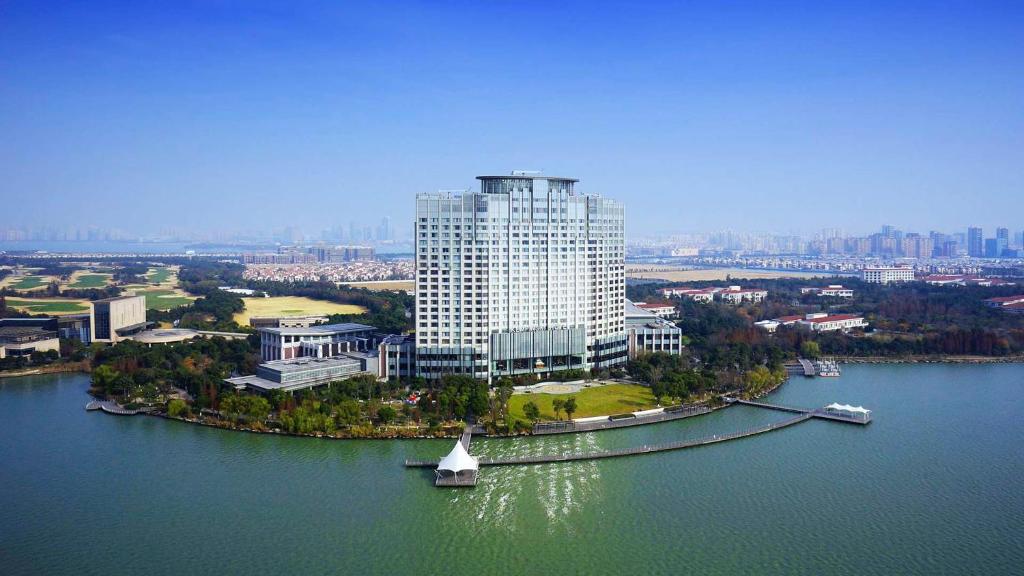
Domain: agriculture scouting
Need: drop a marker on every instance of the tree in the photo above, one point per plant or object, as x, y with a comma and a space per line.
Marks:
810, 349
531, 410
557, 404
386, 414
177, 408
570, 407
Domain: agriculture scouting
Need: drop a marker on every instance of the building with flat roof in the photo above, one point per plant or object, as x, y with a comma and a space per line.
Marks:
318, 341
23, 336
301, 373
888, 274
832, 290
525, 276
738, 295
648, 332
822, 322
114, 319
286, 321
661, 310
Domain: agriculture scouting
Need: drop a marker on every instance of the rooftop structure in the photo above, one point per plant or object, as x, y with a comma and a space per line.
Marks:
300, 373
285, 343
23, 336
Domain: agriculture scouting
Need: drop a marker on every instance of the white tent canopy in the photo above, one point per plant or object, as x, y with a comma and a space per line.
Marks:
847, 408
458, 460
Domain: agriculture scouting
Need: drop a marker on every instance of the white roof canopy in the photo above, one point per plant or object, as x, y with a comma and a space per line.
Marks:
457, 460
848, 408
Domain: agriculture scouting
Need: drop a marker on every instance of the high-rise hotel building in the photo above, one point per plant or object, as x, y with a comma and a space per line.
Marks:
525, 276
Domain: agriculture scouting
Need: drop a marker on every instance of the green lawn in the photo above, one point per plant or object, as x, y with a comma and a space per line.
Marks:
91, 281
159, 275
29, 282
599, 401
44, 307
163, 299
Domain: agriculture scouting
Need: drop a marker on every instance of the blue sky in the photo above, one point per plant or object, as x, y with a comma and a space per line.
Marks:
782, 116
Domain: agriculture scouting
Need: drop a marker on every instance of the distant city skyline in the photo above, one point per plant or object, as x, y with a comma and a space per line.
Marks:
227, 116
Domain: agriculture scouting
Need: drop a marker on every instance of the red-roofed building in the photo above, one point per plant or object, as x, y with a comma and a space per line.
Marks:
1004, 301
660, 310
737, 295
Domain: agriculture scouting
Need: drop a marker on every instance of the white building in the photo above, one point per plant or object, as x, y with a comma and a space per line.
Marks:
660, 310
833, 290
648, 332
887, 274
525, 276
822, 322
703, 295
737, 295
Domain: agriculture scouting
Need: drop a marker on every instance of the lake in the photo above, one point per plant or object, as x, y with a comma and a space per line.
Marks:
932, 486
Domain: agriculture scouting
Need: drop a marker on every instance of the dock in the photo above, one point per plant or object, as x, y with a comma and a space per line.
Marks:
110, 408
823, 413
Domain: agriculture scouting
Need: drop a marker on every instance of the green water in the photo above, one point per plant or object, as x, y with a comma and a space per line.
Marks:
933, 486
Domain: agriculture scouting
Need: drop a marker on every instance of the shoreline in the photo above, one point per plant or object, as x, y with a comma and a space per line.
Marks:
943, 359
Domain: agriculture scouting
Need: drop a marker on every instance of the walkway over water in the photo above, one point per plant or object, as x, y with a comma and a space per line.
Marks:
808, 367
822, 413
646, 449
800, 415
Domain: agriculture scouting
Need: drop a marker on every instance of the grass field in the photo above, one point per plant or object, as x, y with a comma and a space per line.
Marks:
292, 306
599, 401
675, 274
48, 306
397, 285
29, 282
164, 299
89, 281
159, 275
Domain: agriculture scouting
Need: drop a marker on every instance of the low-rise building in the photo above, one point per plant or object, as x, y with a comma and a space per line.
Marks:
648, 332
318, 341
24, 336
832, 290
964, 280
887, 274
696, 294
738, 295
114, 319
301, 373
660, 310
286, 321
1004, 301
822, 322
769, 326
396, 357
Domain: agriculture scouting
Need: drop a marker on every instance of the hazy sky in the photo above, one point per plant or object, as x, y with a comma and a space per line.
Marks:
699, 116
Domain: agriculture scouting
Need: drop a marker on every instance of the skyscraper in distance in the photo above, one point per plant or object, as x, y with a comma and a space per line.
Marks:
525, 276
975, 244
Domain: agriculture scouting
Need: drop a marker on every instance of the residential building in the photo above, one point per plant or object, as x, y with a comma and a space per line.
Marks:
315, 341
738, 295
648, 332
525, 276
698, 295
888, 274
975, 247
114, 319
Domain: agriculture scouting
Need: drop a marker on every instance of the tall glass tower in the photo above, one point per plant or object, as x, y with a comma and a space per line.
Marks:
523, 277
